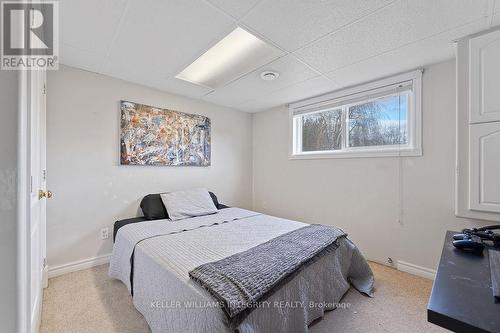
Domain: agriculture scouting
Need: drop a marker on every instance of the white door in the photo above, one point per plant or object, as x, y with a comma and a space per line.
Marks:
38, 194
485, 167
485, 77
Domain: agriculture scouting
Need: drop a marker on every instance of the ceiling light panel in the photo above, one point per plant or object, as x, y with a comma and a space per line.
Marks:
235, 55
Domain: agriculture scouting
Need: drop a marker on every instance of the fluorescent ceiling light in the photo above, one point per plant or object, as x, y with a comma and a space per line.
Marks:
235, 55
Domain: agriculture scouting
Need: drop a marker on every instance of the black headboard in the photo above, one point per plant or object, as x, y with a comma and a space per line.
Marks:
153, 204
153, 208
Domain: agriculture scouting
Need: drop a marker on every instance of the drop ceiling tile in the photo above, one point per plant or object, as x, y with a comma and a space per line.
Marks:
90, 24
160, 38
399, 24
409, 57
251, 86
312, 87
419, 54
157, 39
182, 88
74, 57
235, 8
149, 78
294, 23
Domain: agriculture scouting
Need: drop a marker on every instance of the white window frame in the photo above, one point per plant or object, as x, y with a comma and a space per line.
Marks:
356, 95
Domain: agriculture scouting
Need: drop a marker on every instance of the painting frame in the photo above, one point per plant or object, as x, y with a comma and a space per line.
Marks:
155, 136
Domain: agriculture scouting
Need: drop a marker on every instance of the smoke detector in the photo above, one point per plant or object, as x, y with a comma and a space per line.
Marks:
269, 75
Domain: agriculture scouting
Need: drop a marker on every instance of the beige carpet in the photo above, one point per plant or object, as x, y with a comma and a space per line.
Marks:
89, 301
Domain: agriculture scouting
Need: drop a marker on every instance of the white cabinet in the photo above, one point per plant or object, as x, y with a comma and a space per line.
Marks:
478, 126
484, 87
484, 158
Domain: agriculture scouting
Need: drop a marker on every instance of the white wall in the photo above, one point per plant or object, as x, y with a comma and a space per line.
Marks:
361, 195
91, 190
8, 190
390, 207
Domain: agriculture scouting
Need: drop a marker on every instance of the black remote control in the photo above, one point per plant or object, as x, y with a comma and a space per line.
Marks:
468, 243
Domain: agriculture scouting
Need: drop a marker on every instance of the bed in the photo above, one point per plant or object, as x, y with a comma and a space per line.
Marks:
153, 259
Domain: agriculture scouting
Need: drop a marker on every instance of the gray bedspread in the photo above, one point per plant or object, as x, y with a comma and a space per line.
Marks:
164, 252
241, 280
121, 264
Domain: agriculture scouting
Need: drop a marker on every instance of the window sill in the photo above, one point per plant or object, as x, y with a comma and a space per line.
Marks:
356, 154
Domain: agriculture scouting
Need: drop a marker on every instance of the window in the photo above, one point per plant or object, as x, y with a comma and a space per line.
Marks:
381, 118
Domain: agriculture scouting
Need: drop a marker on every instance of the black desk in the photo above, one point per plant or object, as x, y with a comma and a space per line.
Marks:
462, 299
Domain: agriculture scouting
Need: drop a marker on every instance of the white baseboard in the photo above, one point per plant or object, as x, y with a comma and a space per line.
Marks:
78, 265
416, 270
104, 259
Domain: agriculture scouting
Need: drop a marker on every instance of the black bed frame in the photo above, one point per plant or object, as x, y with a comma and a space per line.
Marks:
120, 223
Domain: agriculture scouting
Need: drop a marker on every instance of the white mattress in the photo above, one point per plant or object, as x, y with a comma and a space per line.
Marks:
171, 302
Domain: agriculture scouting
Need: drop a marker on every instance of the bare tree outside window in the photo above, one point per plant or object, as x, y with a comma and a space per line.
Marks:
379, 123
379, 118
322, 131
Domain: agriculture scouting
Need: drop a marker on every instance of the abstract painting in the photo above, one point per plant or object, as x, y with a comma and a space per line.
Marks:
155, 136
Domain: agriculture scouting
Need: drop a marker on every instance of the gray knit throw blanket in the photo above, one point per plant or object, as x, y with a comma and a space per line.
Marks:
240, 281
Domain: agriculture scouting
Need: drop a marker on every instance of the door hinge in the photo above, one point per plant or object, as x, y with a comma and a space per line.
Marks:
31, 184
44, 89
44, 263
44, 174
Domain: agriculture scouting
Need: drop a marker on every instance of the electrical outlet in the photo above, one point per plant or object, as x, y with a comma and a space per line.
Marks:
390, 261
104, 233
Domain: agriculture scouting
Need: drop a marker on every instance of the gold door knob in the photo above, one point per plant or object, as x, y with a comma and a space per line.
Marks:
44, 194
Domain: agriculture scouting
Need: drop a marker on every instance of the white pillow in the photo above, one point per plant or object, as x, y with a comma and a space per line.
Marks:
188, 203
